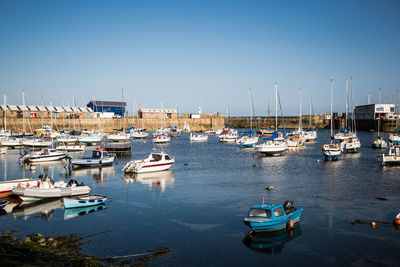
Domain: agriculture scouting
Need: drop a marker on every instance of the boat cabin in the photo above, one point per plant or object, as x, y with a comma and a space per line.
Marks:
268, 211
99, 154
394, 150
158, 156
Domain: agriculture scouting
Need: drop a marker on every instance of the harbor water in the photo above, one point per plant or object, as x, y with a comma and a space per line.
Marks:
197, 208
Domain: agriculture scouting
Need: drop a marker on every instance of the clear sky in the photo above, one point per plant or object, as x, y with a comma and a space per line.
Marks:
206, 53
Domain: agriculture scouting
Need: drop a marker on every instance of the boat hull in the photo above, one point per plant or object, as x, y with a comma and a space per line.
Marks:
86, 201
30, 194
92, 162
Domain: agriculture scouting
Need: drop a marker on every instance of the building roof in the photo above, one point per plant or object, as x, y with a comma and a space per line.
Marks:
107, 103
159, 110
44, 108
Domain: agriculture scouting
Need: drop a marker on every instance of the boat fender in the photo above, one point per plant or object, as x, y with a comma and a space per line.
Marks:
290, 224
373, 224
27, 184
100, 162
38, 183
19, 185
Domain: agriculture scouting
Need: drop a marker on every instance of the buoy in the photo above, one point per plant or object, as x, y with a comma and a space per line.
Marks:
291, 224
27, 184
373, 224
158, 182
269, 188
397, 221
32, 167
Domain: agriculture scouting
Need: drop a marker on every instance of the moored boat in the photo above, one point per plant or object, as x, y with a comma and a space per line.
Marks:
271, 217
156, 161
83, 201
46, 154
50, 189
7, 186
99, 158
392, 157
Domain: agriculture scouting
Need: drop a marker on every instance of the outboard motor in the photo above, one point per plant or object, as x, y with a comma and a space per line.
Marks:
288, 207
72, 182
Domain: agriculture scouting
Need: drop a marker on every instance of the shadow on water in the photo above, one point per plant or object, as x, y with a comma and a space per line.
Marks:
270, 243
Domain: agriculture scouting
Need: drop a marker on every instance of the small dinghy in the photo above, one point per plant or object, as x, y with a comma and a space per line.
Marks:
157, 161
50, 189
270, 217
83, 201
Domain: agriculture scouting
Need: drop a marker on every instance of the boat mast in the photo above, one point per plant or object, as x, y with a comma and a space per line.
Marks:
353, 119
331, 110
300, 122
251, 117
379, 113
397, 109
5, 112
23, 112
310, 110
347, 105
276, 106
51, 112
73, 107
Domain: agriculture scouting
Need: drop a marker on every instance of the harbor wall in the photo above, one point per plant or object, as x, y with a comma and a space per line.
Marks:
15, 123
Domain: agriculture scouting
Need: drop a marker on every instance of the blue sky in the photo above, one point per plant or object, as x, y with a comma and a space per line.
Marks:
193, 53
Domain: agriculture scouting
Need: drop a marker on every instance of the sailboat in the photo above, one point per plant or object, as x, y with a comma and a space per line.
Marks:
199, 137
379, 142
275, 145
331, 151
249, 140
351, 144
295, 138
310, 135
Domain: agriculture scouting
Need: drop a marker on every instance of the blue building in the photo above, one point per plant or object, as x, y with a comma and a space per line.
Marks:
118, 108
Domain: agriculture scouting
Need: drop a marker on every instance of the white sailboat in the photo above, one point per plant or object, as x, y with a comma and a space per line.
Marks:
331, 151
351, 144
310, 135
379, 142
275, 145
249, 140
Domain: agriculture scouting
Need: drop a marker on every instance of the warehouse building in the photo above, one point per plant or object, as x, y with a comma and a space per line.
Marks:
373, 111
152, 113
108, 108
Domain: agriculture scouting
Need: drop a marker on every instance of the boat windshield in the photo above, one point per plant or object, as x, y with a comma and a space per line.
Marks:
96, 154
278, 212
260, 213
156, 157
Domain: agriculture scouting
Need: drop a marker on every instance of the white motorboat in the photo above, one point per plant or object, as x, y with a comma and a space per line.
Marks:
37, 143
157, 161
49, 189
161, 139
12, 142
198, 137
90, 138
229, 136
118, 137
392, 157
294, 141
7, 186
350, 145
99, 158
46, 154
331, 151
139, 133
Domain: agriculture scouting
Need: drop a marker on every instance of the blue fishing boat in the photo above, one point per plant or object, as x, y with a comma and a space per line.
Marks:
83, 201
269, 217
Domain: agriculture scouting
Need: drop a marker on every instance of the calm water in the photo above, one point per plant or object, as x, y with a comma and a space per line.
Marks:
198, 207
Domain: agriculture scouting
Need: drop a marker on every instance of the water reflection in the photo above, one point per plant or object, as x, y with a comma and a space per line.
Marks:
75, 212
13, 201
44, 208
157, 181
270, 243
99, 175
